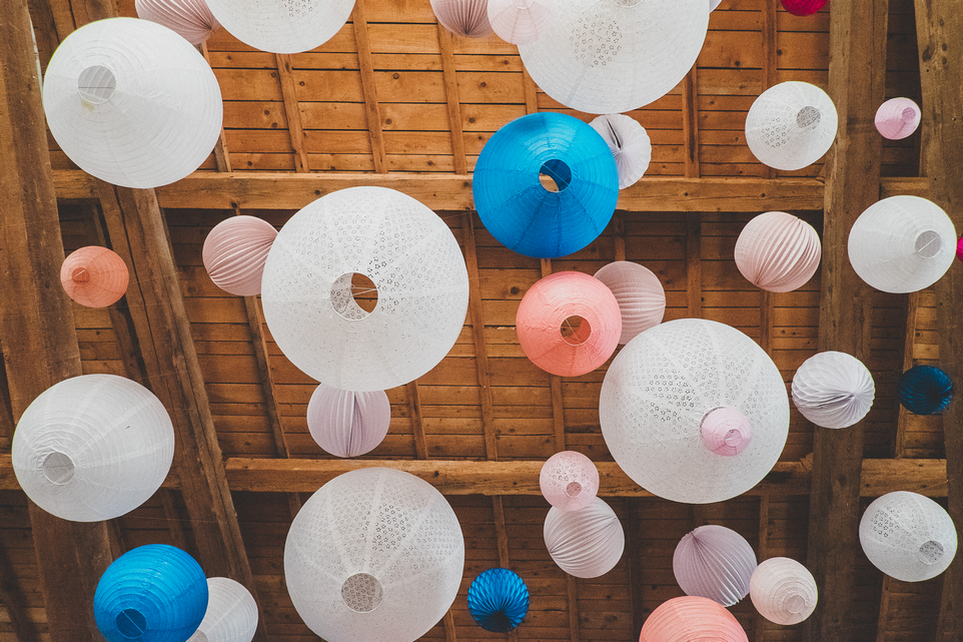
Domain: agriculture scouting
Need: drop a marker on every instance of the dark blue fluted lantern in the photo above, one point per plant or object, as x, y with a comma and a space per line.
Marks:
525, 216
154, 593
925, 390
498, 600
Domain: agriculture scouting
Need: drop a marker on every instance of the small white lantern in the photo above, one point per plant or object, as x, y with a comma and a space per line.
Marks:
791, 125
630, 145
833, 389
231, 613
778, 252
587, 542
346, 423
783, 591
639, 293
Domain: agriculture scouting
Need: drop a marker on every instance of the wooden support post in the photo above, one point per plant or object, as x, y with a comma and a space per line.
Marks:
902, 414
369, 87
292, 110
417, 422
454, 102
531, 92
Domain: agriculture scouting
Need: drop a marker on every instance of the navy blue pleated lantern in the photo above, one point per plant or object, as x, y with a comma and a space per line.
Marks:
154, 593
925, 390
498, 600
529, 218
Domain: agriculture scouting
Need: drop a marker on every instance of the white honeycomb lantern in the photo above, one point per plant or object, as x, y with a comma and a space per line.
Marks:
346, 423
714, 562
282, 26
569, 480
630, 145
587, 542
791, 125
639, 293
778, 252
231, 614
833, 389
783, 591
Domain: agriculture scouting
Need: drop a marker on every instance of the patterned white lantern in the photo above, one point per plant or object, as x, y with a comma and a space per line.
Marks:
630, 145
778, 252
791, 125
714, 562
783, 591
348, 424
569, 480
520, 21
189, 18
640, 295
833, 389
231, 613
587, 542
282, 26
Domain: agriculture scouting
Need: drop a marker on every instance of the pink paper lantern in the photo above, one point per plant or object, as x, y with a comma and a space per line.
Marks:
191, 19
778, 252
235, 251
94, 276
783, 591
346, 423
585, 543
463, 17
547, 310
726, 431
640, 295
803, 7
569, 480
897, 118
686, 619
959, 249
714, 562
519, 21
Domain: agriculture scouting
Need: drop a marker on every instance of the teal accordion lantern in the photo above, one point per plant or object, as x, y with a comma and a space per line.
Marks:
925, 390
498, 600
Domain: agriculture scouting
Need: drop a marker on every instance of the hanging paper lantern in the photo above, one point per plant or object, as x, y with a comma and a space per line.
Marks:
791, 125
803, 7
525, 216
569, 480
640, 295
629, 143
235, 251
959, 249
463, 17
154, 593
897, 118
778, 252
585, 543
93, 447
189, 18
94, 276
410, 256
833, 389
902, 244
687, 619
714, 4
604, 57
519, 21
348, 424
725, 431
659, 402
498, 600
783, 591
231, 613
280, 26
132, 103
925, 390
714, 562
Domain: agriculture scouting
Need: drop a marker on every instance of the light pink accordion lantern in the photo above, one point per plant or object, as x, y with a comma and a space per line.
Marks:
714, 562
686, 619
585, 543
463, 17
833, 389
519, 21
189, 18
94, 276
897, 118
639, 293
630, 144
235, 251
778, 252
569, 480
783, 591
346, 423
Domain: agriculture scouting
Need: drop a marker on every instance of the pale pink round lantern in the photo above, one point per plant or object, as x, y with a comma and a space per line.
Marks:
235, 252
897, 118
463, 17
783, 591
959, 249
346, 423
726, 431
585, 543
94, 276
191, 19
519, 21
568, 323
687, 619
714, 562
778, 252
569, 480
639, 293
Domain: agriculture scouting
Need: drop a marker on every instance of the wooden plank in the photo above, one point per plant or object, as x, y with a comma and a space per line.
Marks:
690, 123
417, 423
453, 100
255, 320
371, 104
292, 110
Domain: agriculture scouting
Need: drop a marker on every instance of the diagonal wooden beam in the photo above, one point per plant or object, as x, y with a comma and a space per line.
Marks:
762, 553
372, 108
501, 539
453, 100
292, 110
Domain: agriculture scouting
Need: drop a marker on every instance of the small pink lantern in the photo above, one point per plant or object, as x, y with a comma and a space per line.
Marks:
568, 323
803, 7
778, 252
94, 276
191, 19
714, 562
897, 118
685, 619
569, 480
346, 423
783, 591
519, 21
463, 17
235, 251
726, 431
640, 295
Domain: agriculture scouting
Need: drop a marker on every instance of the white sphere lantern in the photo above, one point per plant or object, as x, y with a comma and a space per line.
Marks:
714, 562
281, 26
783, 591
587, 542
639, 293
833, 389
791, 125
630, 145
231, 614
778, 252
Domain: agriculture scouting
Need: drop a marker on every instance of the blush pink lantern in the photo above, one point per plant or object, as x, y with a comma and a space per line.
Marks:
726, 431
467, 18
714, 562
235, 251
191, 19
897, 118
569, 480
94, 276
686, 619
778, 252
639, 293
346, 423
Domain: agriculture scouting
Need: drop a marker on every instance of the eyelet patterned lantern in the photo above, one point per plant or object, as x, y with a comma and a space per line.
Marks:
282, 26
667, 393
925, 390
410, 256
803, 7
791, 125
348, 424
498, 600
94, 276
833, 389
714, 562
520, 21
191, 19
587, 542
132, 103
897, 118
153, 593
630, 145
569, 480
374, 554
467, 18
231, 613
93, 447
640, 295
783, 591
235, 251
558, 345
907, 536
686, 619
604, 57
778, 252
519, 211
902, 244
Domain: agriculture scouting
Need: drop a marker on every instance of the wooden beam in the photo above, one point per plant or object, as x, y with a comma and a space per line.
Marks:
762, 553
417, 422
292, 111
255, 321
690, 122
555, 382
531, 92
693, 264
909, 341
453, 100
574, 620
222, 157
368, 86
11, 597
770, 60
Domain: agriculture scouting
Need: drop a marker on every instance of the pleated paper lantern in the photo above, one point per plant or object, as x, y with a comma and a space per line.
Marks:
467, 18
519, 21
604, 57
629, 143
348, 424
132, 103
714, 562
519, 211
640, 295
833, 389
569, 480
907, 536
231, 613
902, 244
374, 554
498, 600
667, 386
803, 7
551, 339
94, 276
791, 125
691, 619
235, 251
897, 118
778, 252
93, 447
585, 543
415, 265
925, 390
154, 593
783, 591
189, 18
282, 26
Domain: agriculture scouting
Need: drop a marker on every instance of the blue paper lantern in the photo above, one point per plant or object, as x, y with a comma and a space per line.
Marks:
154, 593
925, 390
498, 600
525, 216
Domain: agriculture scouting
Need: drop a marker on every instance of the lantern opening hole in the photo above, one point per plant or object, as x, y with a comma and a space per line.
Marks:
80, 275
96, 84
573, 489
58, 468
522, 4
733, 438
796, 604
930, 552
928, 244
131, 623
362, 592
807, 117
909, 115
575, 330
354, 296
555, 175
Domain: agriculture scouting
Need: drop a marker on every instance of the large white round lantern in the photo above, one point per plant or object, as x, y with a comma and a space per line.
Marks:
346, 423
778, 252
374, 554
833, 389
630, 144
783, 591
282, 26
791, 125
93, 447
587, 542
189, 18
413, 264
714, 562
231, 613
639, 293
132, 103
694, 411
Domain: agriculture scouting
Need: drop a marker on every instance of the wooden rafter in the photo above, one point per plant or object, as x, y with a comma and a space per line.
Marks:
555, 382
292, 110
452, 99
690, 122
417, 421
762, 553
693, 264
770, 61
371, 104
222, 157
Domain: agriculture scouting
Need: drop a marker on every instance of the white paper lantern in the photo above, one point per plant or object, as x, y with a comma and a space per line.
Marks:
585, 543
661, 388
714, 562
282, 26
714, 4
630, 145
783, 591
404, 249
374, 554
132, 103
605, 57
569, 480
778, 252
833, 389
231, 613
191, 19
468, 18
902, 244
93, 447
907, 536
348, 424
640, 295
791, 125
520, 21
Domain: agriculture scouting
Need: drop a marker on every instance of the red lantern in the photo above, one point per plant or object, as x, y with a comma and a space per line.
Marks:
803, 7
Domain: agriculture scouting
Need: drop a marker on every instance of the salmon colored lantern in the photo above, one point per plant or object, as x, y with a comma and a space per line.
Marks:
778, 252
94, 276
685, 619
235, 251
569, 480
189, 18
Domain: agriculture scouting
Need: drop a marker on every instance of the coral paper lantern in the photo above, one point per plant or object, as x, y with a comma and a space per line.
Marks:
231, 613
897, 118
569, 480
630, 145
519, 21
235, 251
778, 252
463, 17
833, 389
691, 619
544, 315
94, 276
189, 18
346, 423
803, 7
585, 543
714, 562
640, 295
783, 591
282, 26
498, 600
791, 125
93, 447
925, 390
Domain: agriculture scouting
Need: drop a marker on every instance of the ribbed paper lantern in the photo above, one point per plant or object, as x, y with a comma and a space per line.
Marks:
714, 562
94, 276
803, 7
189, 18
498, 600
348, 424
525, 216
410, 256
791, 125
605, 57
691, 619
640, 295
630, 145
467, 18
585, 543
374, 554
235, 252
231, 613
660, 390
93, 447
833, 389
282, 26
569, 480
925, 390
783, 591
907, 536
897, 118
520, 21
902, 244
132, 103
778, 252
154, 593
